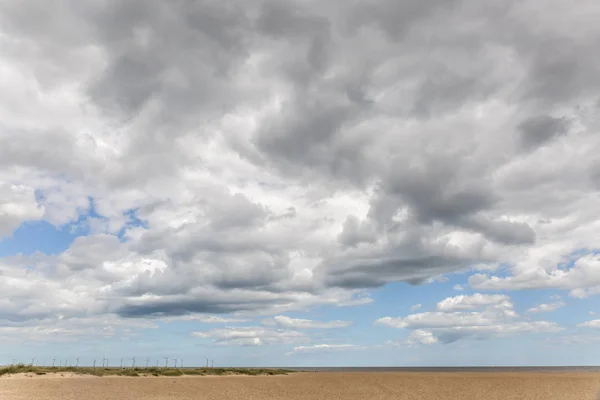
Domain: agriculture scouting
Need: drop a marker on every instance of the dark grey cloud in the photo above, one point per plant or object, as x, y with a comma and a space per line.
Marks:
128, 84
437, 191
181, 307
538, 130
397, 18
180, 56
506, 232
377, 272
354, 233
594, 174
561, 69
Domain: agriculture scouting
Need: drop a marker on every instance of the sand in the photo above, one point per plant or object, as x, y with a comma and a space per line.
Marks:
308, 385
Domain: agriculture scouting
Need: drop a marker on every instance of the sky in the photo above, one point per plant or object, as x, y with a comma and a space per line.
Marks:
300, 182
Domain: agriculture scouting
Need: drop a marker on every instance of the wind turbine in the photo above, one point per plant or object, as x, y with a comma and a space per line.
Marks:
166, 362
206, 362
53, 361
175, 362
147, 362
181, 361
121, 362
77, 362
133, 362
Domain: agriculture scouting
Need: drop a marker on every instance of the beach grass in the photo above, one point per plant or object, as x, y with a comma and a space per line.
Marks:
138, 371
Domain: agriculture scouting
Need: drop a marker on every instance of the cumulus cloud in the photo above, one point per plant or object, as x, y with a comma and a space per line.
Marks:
475, 301
252, 336
260, 157
297, 323
494, 317
421, 336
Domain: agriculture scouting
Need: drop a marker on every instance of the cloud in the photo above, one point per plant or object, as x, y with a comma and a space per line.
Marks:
421, 337
495, 317
475, 301
17, 205
594, 324
64, 329
323, 348
580, 275
261, 157
207, 319
547, 307
252, 336
536, 131
416, 307
297, 323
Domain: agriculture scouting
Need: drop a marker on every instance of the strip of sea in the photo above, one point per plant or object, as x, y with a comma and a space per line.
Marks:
450, 369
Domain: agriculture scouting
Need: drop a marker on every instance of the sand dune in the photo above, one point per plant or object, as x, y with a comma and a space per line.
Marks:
307, 386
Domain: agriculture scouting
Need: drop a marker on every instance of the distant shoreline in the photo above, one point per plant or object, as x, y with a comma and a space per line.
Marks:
450, 369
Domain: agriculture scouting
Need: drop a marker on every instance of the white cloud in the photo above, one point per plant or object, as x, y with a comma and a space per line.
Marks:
17, 205
252, 336
297, 323
458, 287
547, 307
359, 300
66, 330
594, 324
582, 279
497, 318
421, 337
475, 301
416, 307
324, 348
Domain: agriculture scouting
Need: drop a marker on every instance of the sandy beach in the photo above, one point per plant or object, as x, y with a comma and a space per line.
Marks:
309, 385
